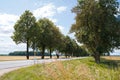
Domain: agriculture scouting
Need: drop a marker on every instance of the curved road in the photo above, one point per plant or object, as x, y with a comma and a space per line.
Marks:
7, 66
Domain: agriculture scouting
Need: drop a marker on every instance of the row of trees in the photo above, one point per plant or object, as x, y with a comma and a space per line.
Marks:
71, 48
23, 53
41, 35
97, 26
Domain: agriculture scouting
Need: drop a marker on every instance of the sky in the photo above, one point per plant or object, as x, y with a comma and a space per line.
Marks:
59, 11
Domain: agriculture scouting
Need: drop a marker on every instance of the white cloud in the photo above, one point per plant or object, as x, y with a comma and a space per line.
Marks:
45, 11
61, 9
7, 22
10, 46
6, 19
48, 11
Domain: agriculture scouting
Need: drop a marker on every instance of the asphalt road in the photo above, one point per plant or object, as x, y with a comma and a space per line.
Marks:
7, 66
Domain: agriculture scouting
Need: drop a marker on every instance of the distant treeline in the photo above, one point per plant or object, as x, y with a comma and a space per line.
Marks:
23, 53
31, 53
3, 54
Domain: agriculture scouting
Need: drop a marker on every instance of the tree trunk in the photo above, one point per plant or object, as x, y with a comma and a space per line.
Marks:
43, 51
50, 54
34, 52
108, 54
97, 58
57, 56
27, 53
72, 54
66, 55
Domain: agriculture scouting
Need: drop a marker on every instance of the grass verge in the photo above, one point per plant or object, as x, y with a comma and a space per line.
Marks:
80, 69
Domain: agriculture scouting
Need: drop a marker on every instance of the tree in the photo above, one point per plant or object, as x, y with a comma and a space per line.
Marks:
61, 44
55, 38
33, 39
66, 46
22, 27
95, 25
76, 49
48, 35
117, 30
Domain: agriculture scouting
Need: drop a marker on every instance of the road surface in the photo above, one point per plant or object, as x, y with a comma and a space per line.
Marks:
7, 66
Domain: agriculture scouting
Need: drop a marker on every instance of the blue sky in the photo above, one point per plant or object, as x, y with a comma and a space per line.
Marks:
59, 11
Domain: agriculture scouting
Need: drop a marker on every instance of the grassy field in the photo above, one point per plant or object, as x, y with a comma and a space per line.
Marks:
9, 58
80, 69
112, 57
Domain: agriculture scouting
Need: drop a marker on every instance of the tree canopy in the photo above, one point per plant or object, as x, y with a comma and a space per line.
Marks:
95, 25
43, 35
49, 35
22, 27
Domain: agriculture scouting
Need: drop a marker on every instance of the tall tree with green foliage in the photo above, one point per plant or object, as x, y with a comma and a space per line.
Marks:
22, 27
66, 46
55, 39
117, 30
48, 35
61, 44
33, 39
95, 25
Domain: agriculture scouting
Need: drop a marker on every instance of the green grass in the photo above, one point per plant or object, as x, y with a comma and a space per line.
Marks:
81, 69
